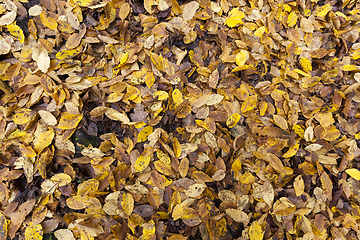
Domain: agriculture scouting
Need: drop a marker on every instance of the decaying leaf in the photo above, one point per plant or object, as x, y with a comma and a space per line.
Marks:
165, 119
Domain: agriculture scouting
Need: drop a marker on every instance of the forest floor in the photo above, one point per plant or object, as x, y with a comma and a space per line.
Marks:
172, 119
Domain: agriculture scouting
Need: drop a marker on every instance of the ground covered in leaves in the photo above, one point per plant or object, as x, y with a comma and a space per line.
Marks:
166, 119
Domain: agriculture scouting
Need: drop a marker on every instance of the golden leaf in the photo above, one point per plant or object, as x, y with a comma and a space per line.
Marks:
34, 232
16, 31
141, 163
292, 19
255, 231
292, 151
113, 114
162, 95
61, 179
306, 64
3, 227
242, 57
66, 54
299, 186
249, 103
233, 120
83, 3
235, 18
43, 140
88, 187
323, 10
23, 116
78, 202
48, 21
127, 203
144, 133
69, 121
283, 207
354, 173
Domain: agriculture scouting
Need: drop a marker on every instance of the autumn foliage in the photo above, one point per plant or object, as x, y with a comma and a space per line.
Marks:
172, 119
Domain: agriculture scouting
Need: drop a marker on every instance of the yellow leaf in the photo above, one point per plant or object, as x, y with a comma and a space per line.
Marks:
177, 237
280, 122
162, 95
349, 68
158, 61
242, 57
16, 134
61, 179
34, 232
88, 187
218, 228
129, 143
16, 31
3, 226
127, 203
69, 121
178, 210
283, 207
354, 173
85, 236
163, 157
148, 230
184, 167
263, 107
23, 116
66, 54
48, 21
177, 97
235, 18
78, 202
115, 97
247, 178
255, 231
115, 115
298, 130
163, 168
27, 151
124, 11
131, 93
43, 140
260, 31
233, 120
177, 147
323, 10
306, 64
144, 133
357, 136
83, 3
123, 58
292, 151
141, 163
299, 186
249, 103
292, 19
302, 73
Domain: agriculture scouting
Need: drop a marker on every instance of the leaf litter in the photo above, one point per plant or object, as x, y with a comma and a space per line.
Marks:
179, 119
